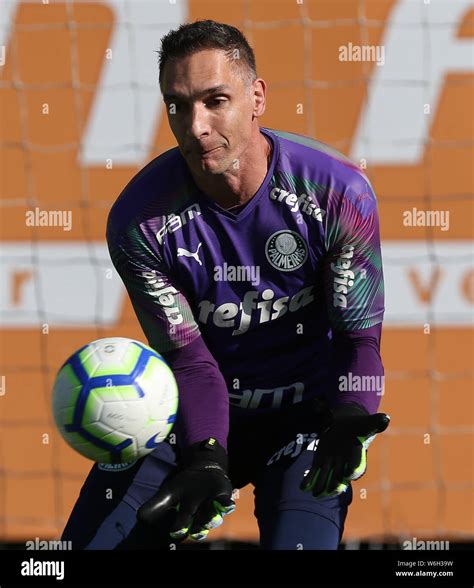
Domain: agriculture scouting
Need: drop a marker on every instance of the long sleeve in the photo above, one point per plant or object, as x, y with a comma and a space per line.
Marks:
354, 286
357, 373
168, 323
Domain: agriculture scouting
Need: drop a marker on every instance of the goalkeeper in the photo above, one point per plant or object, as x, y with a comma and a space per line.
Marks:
252, 260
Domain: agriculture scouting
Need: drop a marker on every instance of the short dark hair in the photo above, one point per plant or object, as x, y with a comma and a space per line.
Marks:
208, 34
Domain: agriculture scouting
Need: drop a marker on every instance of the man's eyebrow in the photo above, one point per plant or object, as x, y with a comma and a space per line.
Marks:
208, 91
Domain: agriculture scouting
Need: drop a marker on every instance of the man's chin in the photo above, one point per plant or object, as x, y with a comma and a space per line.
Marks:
208, 167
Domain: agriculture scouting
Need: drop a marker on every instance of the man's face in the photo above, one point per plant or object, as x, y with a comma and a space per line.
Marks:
210, 105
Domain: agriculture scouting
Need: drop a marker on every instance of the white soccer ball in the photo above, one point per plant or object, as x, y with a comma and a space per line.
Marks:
115, 400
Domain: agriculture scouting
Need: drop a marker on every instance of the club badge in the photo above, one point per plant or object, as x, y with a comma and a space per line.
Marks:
286, 250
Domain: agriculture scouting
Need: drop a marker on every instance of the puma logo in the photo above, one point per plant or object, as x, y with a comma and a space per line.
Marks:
184, 252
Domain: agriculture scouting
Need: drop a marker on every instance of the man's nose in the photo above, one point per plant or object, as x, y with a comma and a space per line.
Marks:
199, 123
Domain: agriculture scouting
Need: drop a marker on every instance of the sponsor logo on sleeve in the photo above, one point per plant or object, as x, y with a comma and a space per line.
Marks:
165, 296
344, 277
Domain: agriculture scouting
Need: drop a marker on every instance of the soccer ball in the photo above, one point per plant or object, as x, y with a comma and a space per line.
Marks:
115, 400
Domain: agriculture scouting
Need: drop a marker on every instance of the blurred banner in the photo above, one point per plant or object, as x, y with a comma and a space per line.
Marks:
387, 82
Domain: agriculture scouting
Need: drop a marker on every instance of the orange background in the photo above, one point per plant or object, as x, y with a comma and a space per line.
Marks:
413, 488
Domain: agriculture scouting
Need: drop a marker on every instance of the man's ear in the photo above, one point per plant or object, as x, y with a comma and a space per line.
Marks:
259, 96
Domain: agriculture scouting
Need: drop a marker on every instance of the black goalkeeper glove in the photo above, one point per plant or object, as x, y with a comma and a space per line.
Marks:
199, 490
340, 456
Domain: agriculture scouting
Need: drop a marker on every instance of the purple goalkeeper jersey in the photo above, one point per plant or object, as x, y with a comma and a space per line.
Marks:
263, 287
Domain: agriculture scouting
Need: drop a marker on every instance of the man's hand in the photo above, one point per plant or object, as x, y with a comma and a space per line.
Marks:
199, 490
340, 456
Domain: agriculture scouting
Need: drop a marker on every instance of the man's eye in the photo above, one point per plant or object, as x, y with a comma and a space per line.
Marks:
216, 102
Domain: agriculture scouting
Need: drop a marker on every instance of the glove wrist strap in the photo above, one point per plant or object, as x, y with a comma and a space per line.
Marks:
207, 450
347, 410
